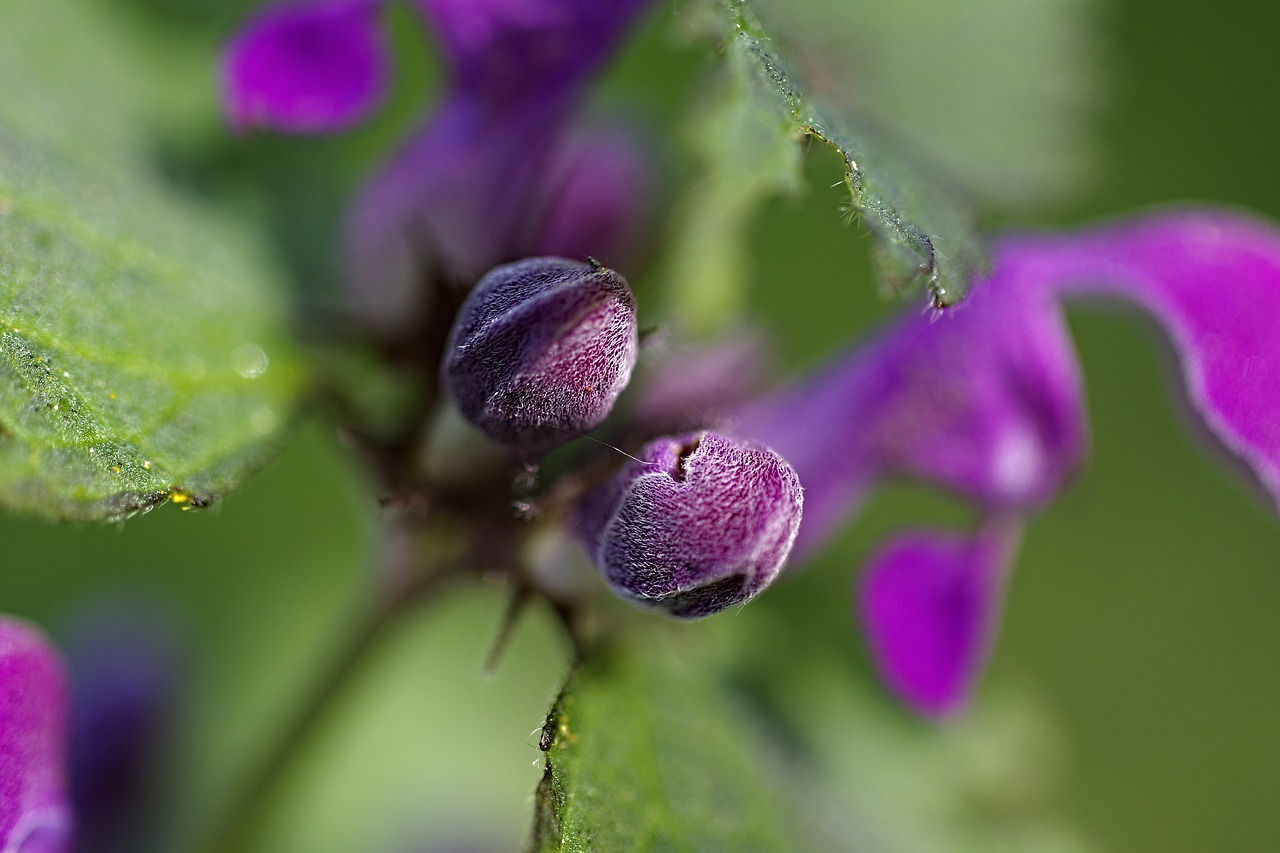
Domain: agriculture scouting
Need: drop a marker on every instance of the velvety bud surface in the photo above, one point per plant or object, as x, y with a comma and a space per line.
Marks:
34, 815
541, 350
928, 603
306, 67
701, 523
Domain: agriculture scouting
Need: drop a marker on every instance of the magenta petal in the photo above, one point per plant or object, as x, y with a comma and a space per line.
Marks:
928, 602
451, 202
984, 400
33, 730
306, 67
505, 49
600, 195
1212, 280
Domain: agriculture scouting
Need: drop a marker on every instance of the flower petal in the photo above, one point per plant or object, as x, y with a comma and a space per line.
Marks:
984, 400
33, 728
505, 49
451, 203
1212, 281
929, 603
306, 67
599, 202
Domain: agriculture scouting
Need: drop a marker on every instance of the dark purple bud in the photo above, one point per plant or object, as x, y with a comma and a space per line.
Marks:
700, 523
541, 350
33, 721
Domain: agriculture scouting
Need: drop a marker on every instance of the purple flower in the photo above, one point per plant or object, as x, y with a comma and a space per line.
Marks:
306, 67
492, 176
986, 401
34, 815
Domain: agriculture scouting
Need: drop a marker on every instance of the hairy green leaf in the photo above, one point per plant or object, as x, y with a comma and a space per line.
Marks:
143, 354
1003, 93
746, 139
648, 752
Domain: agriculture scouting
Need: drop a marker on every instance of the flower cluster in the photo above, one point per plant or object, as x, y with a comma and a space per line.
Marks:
477, 242
985, 401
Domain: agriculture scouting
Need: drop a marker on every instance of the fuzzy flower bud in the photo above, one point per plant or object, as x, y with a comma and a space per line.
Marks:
541, 350
701, 523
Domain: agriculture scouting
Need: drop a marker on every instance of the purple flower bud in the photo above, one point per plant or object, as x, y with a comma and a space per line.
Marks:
33, 722
541, 350
700, 523
306, 67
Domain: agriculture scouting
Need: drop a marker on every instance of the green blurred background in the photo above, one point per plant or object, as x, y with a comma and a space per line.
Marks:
1140, 620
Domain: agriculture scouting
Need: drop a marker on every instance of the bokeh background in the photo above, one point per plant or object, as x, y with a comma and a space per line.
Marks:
1140, 636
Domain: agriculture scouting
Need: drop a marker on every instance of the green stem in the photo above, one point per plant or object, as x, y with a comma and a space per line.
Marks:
253, 806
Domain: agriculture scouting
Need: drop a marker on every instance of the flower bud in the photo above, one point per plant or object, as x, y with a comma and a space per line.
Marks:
541, 350
700, 523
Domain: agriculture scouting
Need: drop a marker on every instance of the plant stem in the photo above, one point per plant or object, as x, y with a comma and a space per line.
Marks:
253, 805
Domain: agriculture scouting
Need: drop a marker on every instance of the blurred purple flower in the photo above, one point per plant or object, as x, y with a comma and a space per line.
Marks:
986, 402
491, 176
34, 815
306, 67
125, 668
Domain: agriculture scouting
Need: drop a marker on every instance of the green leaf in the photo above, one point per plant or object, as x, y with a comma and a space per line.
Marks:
648, 752
1003, 93
143, 346
746, 139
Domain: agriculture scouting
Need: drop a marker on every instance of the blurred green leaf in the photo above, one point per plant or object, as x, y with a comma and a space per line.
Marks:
1005, 94
143, 345
746, 141
648, 752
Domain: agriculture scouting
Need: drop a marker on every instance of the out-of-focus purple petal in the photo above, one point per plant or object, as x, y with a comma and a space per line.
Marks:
929, 603
453, 202
692, 386
600, 200
33, 729
505, 49
124, 661
306, 67
470, 190
1212, 280
984, 400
